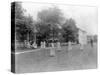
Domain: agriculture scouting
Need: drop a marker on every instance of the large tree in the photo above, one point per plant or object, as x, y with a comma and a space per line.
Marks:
70, 30
24, 24
50, 19
51, 15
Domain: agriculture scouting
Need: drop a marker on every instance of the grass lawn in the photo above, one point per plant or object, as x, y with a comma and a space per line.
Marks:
40, 61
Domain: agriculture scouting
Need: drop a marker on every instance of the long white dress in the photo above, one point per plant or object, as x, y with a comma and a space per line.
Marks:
58, 46
69, 45
52, 50
82, 39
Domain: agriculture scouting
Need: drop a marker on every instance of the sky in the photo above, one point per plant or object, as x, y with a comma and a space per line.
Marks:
86, 17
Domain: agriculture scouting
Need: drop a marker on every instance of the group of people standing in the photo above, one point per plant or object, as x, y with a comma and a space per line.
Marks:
43, 44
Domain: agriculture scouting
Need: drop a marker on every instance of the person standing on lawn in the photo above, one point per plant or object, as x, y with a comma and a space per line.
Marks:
91, 42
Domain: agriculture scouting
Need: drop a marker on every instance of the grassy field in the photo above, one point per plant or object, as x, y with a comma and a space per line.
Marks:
40, 60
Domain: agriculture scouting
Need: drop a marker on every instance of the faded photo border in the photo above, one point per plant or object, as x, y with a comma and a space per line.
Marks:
6, 63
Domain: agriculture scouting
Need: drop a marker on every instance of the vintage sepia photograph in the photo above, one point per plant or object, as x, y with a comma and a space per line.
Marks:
48, 37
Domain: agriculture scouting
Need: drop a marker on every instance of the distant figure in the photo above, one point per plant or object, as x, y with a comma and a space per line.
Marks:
34, 45
58, 46
25, 42
52, 45
52, 50
28, 44
43, 44
81, 46
91, 42
69, 45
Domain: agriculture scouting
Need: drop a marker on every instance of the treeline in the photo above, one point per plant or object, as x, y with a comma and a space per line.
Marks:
51, 25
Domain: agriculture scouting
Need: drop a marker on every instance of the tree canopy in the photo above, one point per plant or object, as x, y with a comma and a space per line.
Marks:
48, 20
24, 24
51, 15
49, 24
70, 30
